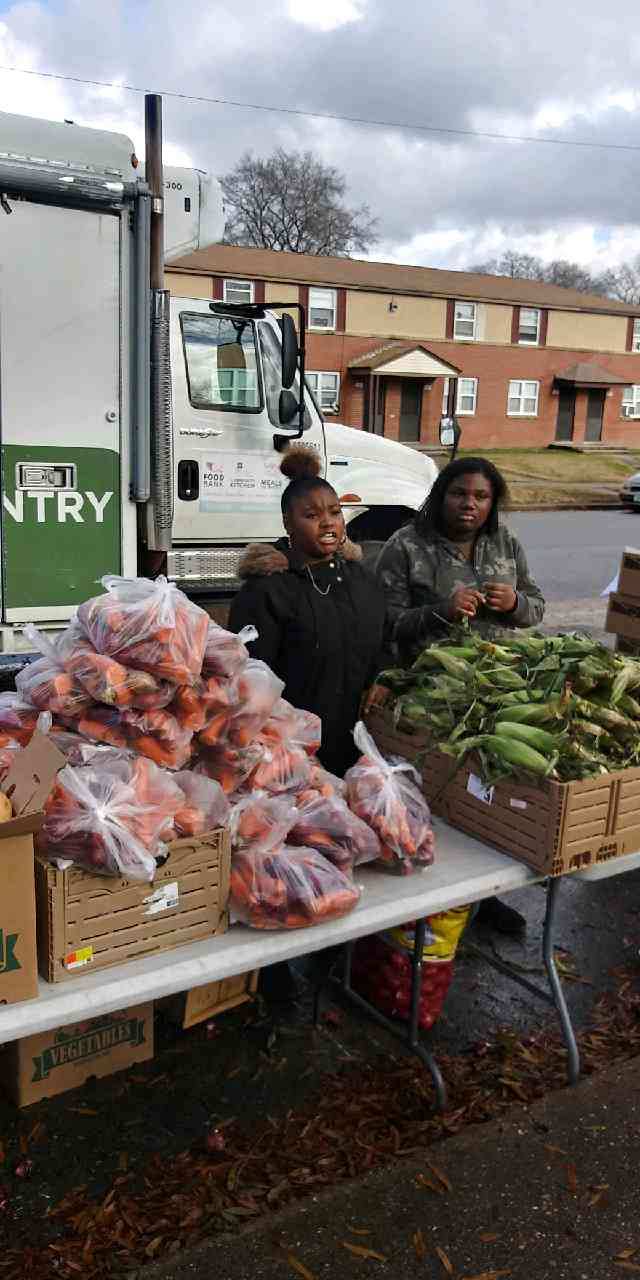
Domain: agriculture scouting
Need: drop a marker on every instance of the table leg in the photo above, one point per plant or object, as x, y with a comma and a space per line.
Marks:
573, 1064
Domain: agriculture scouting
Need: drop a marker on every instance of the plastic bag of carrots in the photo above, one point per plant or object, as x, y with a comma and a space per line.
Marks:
327, 824
230, 766
197, 705
204, 804
260, 822
282, 767
154, 734
148, 625
289, 888
45, 683
106, 679
109, 820
18, 719
225, 653
384, 794
291, 725
255, 692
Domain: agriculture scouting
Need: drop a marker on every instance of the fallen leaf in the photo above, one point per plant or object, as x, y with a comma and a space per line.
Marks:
558, 1151
625, 1254
488, 1237
360, 1251
36, 1132
423, 1181
442, 1177
445, 1260
419, 1245
360, 1231
572, 1179
626, 1266
299, 1267
82, 1111
123, 1162
489, 1275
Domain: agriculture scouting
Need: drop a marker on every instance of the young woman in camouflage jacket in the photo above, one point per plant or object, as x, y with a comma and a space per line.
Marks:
455, 561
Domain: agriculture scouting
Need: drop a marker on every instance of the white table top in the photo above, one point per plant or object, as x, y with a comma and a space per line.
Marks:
464, 871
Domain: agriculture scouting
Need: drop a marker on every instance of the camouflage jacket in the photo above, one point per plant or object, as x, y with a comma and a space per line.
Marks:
419, 577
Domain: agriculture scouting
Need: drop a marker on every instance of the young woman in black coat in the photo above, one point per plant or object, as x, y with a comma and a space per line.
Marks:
319, 613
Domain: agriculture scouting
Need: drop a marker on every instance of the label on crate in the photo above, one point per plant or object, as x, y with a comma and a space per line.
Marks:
518, 804
163, 898
477, 788
76, 959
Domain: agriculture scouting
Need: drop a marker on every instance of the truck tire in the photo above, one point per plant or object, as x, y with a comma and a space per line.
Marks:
372, 529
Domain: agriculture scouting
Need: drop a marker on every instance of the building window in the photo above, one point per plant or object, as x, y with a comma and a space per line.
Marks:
322, 308
522, 401
326, 390
464, 320
635, 341
467, 395
529, 327
238, 291
631, 401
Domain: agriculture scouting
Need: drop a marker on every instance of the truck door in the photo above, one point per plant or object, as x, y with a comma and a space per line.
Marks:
225, 371
59, 407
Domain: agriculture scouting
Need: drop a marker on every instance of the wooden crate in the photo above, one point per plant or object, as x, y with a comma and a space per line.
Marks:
555, 827
202, 1003
87, 922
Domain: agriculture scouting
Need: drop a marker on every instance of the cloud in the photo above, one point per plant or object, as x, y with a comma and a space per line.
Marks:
441, 198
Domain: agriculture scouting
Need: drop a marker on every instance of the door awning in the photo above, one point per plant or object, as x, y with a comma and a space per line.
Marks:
588, 374
404, 360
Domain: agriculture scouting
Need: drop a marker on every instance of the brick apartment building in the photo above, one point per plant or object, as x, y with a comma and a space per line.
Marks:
534, 362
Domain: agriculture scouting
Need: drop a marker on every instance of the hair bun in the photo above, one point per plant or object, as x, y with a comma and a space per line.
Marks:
300, 461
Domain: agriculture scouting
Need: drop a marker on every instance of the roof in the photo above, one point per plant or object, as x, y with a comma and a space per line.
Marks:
409, 358
389, 277
588, 374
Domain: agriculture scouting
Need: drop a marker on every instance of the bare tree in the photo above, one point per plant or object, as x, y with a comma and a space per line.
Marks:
623, 283
568, 275
291, 201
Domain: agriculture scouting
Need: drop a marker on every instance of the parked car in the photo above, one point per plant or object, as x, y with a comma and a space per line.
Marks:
630, 491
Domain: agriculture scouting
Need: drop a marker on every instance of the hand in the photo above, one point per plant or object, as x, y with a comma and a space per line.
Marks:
500, 597
464, 603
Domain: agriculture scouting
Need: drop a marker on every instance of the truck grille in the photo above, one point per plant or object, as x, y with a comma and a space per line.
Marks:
217, 565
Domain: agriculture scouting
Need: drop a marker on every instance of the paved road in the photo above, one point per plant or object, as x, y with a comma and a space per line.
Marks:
574, 555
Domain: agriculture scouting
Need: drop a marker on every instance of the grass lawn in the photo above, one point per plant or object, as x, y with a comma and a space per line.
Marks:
563, 466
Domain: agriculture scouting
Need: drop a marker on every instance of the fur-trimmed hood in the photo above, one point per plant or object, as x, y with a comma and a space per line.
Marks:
261, 559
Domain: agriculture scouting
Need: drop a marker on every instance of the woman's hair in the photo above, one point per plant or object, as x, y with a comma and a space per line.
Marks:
301, 465
428, 519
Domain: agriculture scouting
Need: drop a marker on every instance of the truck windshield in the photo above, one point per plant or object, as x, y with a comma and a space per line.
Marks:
220, 356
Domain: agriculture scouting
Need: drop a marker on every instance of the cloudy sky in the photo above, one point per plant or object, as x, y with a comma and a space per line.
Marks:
548, 70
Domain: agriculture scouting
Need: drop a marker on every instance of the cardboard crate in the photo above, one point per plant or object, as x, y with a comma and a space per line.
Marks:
623, 616
87, 922
629, 575
52, 1062
555, 827
27, 784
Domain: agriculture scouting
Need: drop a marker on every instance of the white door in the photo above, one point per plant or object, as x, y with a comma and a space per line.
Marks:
226, 386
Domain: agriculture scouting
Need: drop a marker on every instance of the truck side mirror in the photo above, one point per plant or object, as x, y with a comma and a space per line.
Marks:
289, 350
288, 407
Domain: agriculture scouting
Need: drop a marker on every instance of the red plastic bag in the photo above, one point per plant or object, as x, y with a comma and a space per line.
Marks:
109, 820
204, 806
327, 824
382, 793
225, 652
148, 625
259, 823
382, 974
18, 719
289, 888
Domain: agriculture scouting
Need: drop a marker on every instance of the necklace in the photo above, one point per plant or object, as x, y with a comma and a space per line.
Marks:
315, 585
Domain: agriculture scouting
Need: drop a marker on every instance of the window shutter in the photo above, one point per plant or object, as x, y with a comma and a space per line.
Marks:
258, 291
515, 324
544, 324
450, 318
341, 310
303, 298
218, 288
629, 346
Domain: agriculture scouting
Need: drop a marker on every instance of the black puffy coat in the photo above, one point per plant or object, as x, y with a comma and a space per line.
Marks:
324, 641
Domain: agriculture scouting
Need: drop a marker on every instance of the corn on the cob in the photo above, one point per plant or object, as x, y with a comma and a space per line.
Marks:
542, 741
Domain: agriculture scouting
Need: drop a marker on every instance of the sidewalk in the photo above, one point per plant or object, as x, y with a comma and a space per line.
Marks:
551, 1193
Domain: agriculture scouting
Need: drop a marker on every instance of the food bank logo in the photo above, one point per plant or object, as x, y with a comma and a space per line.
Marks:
8, 959
99, 1037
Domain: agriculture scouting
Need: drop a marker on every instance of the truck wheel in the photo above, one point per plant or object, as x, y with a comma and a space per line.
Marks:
372, 529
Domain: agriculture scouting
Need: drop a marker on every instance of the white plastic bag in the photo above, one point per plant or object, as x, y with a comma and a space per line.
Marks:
385, 795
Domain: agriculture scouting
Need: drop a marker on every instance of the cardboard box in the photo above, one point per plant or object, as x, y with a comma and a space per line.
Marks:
555, 827
202, 1003
629, 575
44, 1065
88, 922
623, 616
27, 784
